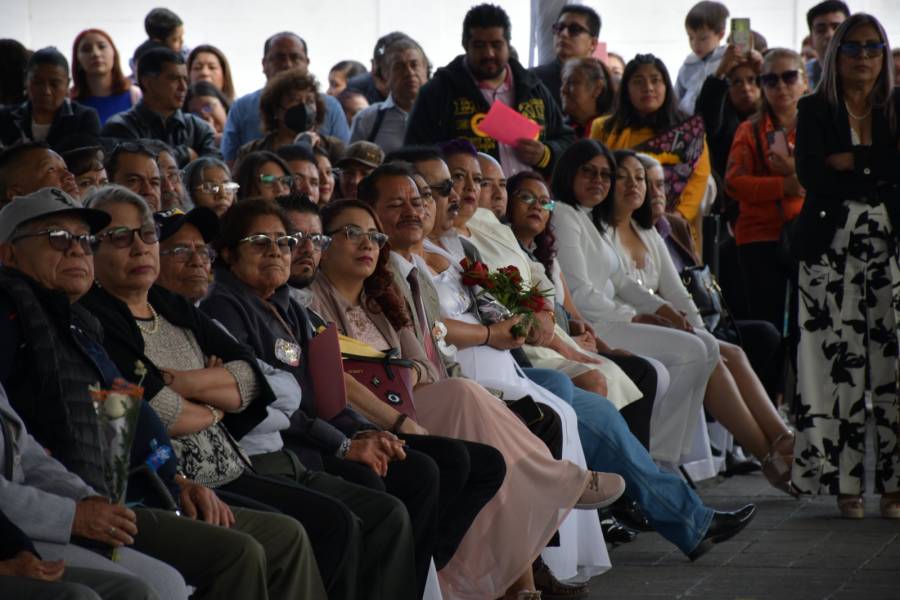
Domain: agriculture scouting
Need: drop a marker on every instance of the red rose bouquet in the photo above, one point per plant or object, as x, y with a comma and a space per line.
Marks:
506, 286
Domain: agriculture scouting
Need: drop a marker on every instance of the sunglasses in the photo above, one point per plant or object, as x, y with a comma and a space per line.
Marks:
572, 28
858, 49
123, 237
770, 80
590, 172
355, 235
62, 240
261, 242
530, 199
285, 180
183, 254
443, 188
227, 188
319, 241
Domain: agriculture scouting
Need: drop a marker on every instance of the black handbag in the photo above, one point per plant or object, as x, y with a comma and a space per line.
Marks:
701, 284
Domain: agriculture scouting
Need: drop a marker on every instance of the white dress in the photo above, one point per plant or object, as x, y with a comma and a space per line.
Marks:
582, 551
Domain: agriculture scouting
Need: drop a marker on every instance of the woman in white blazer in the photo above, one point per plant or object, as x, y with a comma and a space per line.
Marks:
735, 396
623, 313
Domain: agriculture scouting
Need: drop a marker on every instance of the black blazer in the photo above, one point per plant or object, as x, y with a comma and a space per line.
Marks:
71, 119
821, 132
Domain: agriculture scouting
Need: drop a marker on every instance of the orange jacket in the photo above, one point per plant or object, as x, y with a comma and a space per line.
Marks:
756, 188
691, 196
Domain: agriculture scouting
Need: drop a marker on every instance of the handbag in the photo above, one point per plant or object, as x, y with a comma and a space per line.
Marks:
704, 289
386, 376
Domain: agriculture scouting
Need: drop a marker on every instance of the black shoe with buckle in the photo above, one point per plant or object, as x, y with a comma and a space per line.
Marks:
614, 532
724, 526
628, 513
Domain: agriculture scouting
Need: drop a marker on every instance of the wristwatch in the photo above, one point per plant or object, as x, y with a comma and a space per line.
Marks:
344, 448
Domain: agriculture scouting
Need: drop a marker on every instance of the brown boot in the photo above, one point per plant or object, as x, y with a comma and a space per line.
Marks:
553, 589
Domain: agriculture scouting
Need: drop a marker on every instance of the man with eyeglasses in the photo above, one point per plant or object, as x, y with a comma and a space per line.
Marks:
823, 19
185, 257
282, 51
26, 168
575, 35
133, 165
453, 104
163, 78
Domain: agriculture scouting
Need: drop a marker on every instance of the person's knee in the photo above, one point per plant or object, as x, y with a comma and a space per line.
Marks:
556, 382
592, 381
132, 588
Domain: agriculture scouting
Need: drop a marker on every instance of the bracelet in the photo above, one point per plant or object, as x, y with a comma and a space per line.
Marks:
395, 428
215, 414
545, 158
344, 448
487, 340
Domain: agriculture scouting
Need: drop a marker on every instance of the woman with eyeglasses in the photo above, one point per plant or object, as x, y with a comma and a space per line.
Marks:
290, 105
207, 181
355, 290
209, 391
762, 177
846, 237
646, 107
264, 175
734, 395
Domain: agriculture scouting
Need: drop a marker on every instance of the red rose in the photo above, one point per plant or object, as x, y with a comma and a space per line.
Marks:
474, 273
513, 274
534, 301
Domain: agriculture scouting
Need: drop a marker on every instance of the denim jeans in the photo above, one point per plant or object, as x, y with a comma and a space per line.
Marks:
671, 506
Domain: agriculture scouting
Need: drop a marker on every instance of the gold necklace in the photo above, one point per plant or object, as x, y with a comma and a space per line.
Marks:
153, 328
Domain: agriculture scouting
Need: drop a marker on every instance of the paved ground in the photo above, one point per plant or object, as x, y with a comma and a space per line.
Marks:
793, 550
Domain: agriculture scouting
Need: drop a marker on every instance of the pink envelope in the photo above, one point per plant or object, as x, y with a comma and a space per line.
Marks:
507, 126
601, 54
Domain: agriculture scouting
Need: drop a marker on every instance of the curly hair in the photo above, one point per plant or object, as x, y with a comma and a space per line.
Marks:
545, 241
278, 87
381, 293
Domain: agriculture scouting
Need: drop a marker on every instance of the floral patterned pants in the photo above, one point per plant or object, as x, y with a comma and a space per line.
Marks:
849, 313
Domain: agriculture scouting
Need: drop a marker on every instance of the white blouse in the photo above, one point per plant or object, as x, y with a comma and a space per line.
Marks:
600, 287
659, 275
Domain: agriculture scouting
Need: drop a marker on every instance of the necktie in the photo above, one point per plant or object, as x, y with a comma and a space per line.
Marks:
430, 349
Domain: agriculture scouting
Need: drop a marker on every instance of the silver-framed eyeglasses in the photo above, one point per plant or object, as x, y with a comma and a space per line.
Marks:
355, 235
227, 188
62, 240
261, 242
319, 241
184, 253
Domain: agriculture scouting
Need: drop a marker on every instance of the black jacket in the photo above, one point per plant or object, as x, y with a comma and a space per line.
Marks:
181, 131
449, 103
248, 319
721, 120
13, 540
71, 119
550, 75
125, 345
821, 132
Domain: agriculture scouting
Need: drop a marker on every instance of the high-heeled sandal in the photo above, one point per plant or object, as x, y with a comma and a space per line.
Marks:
851, 507
890, 506
776, 466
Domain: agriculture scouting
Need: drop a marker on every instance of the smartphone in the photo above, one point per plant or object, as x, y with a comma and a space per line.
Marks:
778, 143
741, 37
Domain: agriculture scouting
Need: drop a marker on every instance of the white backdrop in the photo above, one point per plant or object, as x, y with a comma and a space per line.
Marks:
343, 29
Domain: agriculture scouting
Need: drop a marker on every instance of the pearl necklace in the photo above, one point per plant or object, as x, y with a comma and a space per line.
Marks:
856, 117
153, 328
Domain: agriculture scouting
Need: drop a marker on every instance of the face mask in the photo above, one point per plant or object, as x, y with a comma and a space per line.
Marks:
300, 118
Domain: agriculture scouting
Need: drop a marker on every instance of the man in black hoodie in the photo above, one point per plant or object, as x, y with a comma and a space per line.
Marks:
456, 100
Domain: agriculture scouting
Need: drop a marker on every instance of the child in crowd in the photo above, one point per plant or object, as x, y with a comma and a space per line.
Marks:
705, 25
164, 29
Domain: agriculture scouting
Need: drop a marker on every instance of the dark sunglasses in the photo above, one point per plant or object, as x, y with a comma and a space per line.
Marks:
443, 188
62, 240
355, 235
858, 49
573, 28
771, 80
260, 242
123, 237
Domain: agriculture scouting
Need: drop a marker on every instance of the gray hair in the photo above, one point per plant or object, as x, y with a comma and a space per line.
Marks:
192, 173
404, 43
117, 194
830, 86
649, 162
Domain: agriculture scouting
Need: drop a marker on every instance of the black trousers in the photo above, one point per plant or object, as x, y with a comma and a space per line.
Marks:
637, 414
765, 282
468, 476
764, 348
361, 538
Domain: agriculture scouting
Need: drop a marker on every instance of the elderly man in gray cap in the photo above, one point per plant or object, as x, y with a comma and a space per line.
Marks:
49, 355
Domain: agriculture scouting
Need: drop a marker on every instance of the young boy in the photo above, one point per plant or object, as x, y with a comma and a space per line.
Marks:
705, 25
164, 29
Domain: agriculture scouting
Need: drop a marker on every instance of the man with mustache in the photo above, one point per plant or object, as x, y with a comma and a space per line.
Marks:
28, 167
454, 102
163, 78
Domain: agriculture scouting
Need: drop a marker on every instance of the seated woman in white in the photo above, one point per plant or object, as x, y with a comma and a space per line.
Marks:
735, 396
623, 313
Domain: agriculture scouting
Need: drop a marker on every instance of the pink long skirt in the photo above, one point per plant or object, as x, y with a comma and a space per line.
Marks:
537, 494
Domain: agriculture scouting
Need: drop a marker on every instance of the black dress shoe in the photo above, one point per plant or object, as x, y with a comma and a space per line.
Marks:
615, 533
553, 589
628, 513
724, 526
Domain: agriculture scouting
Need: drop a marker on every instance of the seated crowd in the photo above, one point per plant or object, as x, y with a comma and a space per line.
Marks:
336, 397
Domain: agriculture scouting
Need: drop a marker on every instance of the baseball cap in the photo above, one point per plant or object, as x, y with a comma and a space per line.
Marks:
44, 203
204, 219
365, 153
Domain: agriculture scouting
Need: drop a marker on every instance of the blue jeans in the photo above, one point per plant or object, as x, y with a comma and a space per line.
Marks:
672, 507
